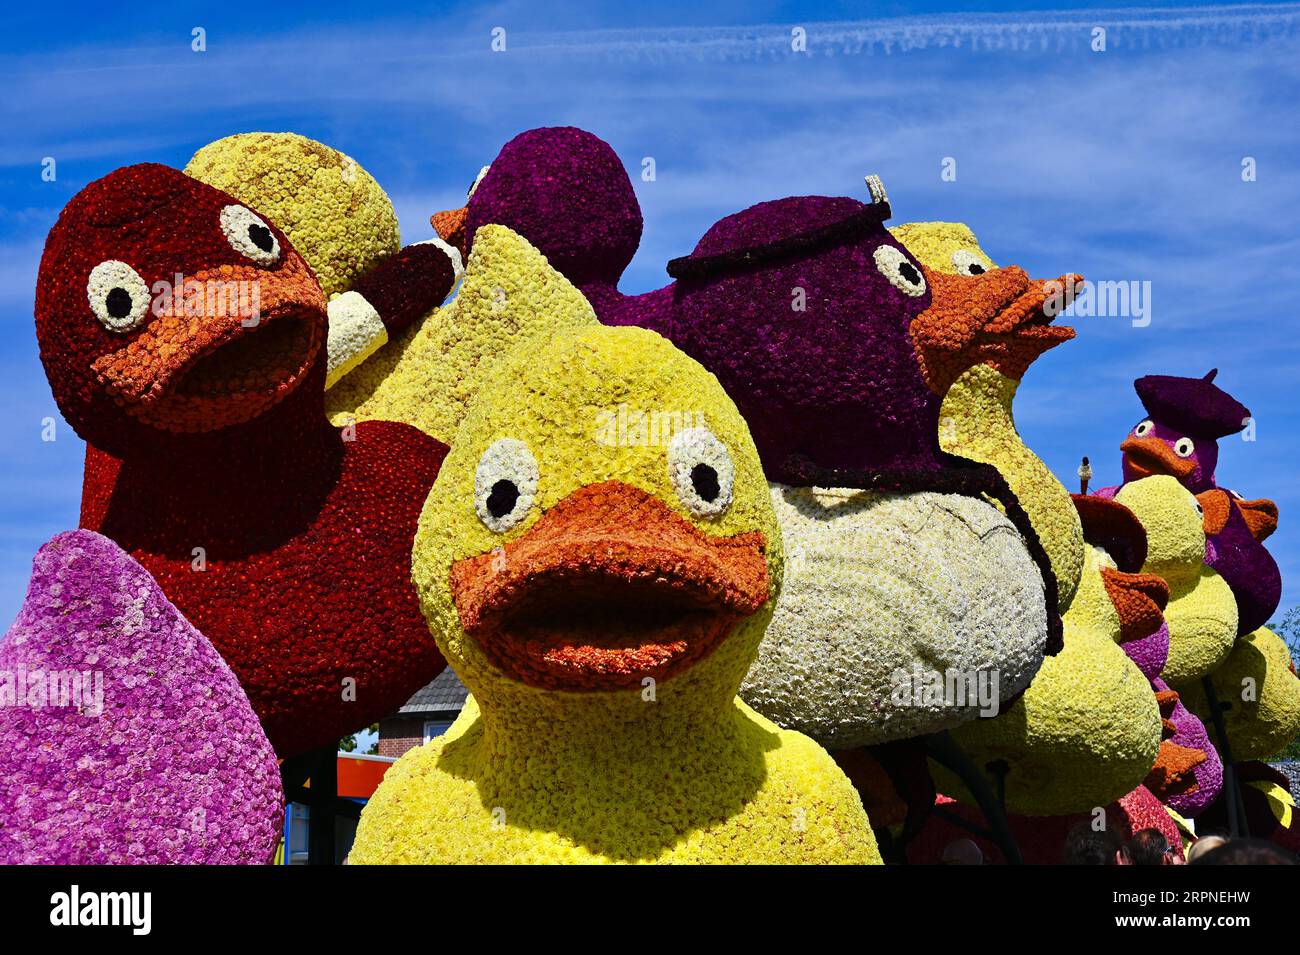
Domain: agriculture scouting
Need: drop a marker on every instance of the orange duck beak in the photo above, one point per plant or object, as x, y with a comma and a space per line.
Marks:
609, 587
1261, 517
1173, 772
1001, 318
450, 226
1140, 601
233, 343
1148, 456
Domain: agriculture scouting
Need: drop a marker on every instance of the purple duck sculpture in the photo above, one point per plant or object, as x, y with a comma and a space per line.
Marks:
125, 737
1186, 419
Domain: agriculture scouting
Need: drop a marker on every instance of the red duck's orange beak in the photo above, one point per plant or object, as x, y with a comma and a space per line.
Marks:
450, 226
609, 587
1148, 456
229, 346
1001, 318
1139, 599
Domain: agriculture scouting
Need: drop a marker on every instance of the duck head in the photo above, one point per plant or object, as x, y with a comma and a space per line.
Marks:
979, 313
1179, 436
135, 356
801, 307
565, 559
566, 192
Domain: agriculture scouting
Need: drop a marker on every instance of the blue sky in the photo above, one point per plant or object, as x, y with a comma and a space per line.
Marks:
1122, 165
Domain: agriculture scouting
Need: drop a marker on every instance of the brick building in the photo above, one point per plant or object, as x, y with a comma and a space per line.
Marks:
425, 715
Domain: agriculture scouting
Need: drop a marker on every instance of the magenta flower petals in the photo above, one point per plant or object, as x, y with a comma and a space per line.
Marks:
124, 738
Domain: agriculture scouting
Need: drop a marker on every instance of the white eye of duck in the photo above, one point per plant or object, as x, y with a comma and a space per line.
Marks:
249, 235
1143, 429
1184, 447
117, 295
901, 272
968, 263
505, 484
700, 468
473, 186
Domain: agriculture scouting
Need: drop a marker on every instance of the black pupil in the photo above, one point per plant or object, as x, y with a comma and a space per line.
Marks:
909, 272
502, 499
976, 269
261, 237
705, 481
119, 303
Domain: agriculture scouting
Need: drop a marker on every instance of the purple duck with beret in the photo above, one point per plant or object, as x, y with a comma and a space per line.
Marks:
1186, 417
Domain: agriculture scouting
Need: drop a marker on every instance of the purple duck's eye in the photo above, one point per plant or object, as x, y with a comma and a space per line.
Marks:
1184, 447
1143, 429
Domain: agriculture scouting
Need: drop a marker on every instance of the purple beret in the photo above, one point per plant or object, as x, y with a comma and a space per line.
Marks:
1195, 406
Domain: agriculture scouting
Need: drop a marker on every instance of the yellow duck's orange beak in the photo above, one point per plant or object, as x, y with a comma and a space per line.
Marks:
249, 338
609, 587
450, 226
1139, 599
1148, 456
1002, 318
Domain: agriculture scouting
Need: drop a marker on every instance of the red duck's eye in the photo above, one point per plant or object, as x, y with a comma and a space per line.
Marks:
249, 235
117, 295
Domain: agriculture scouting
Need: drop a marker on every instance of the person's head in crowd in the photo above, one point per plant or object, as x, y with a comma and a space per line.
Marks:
1085, 845
1247, 852
1150, 847
1203, 845
962, 852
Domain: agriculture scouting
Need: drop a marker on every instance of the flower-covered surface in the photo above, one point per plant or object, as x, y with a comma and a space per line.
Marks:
284, 540
1202, 611
164, 763
427, 376
334, 212
1041, 839
1186, 418
879, 585
604, 634
1258, 686
976, 421
1234, 531
1188, 774
1086, 731
1272, 812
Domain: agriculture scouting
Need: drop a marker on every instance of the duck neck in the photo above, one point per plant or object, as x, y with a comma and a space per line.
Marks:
976, 422
264, 469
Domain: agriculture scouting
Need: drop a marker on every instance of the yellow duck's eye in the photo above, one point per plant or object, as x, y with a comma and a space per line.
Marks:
505, 484
249, 235
118, 296
1184, 447
1143, 429
902, 273
968, 263
700, 468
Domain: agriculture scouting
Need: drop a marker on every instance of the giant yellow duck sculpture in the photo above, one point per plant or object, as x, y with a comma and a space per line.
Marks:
602, 598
